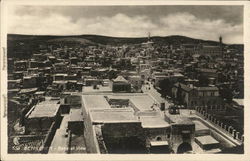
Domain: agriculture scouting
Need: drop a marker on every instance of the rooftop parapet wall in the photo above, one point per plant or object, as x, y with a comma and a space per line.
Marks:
90, 136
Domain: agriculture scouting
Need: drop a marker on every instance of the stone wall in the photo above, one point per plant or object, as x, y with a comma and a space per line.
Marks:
89, 132
122, 129
226, 128
90, 136
156, 134
178, 132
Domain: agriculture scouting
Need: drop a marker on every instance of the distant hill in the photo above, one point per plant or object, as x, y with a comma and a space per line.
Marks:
28, 43
106, 40
72, 40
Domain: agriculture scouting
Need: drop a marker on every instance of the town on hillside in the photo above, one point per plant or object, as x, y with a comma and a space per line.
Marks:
110, 95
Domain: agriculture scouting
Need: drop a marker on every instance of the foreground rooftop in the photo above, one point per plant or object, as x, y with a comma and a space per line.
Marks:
113, 115
153, 122
44, 109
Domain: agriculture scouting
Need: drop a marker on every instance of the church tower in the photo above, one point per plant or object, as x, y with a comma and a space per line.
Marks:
149, 37
221, 46
220, 38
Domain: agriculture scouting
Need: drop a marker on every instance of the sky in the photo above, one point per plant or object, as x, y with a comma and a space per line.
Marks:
203, 22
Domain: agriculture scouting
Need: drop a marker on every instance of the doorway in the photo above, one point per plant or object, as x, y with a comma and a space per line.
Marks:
183, 148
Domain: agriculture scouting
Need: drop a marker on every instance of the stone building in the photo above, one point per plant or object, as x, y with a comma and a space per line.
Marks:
41, 116
192, 96
132, 123
120, 84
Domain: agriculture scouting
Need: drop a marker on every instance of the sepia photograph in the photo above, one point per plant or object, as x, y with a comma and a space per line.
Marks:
125, 79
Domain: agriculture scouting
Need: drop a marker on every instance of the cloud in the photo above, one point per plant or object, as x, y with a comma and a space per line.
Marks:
122, 25
189, 25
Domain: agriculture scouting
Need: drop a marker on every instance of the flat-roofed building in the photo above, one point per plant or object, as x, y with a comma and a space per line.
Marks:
33, 64
14, 84
75, 124
41, 116
144, 66
157, 133
207, 142
29, 81
18, 75
182, 133
40, 95
121, 129
189, 48
136, 82
32, 71
20, 65
73, 60
39, 57
72, 99
90, 81
113, 115
28, 91
57, 87
201, 129
60, 77
210, 50
60, 67
126, 123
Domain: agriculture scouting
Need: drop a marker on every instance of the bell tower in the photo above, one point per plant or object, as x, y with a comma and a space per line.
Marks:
149, 36
221, 46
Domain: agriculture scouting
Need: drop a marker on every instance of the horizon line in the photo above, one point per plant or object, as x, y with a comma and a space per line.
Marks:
122, 37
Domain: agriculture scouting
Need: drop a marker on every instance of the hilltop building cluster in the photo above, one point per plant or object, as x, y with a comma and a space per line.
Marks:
128, 98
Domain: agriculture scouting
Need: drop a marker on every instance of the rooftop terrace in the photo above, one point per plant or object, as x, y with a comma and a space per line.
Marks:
113, 115
178, 118
153, 122
75, 114
101, 89
44, 109
141, 101
95, 101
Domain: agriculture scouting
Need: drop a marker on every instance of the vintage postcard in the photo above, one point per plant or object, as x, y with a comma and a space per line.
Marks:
124, 80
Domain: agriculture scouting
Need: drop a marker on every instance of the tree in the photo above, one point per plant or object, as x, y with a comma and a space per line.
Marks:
226, 93
166, 87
